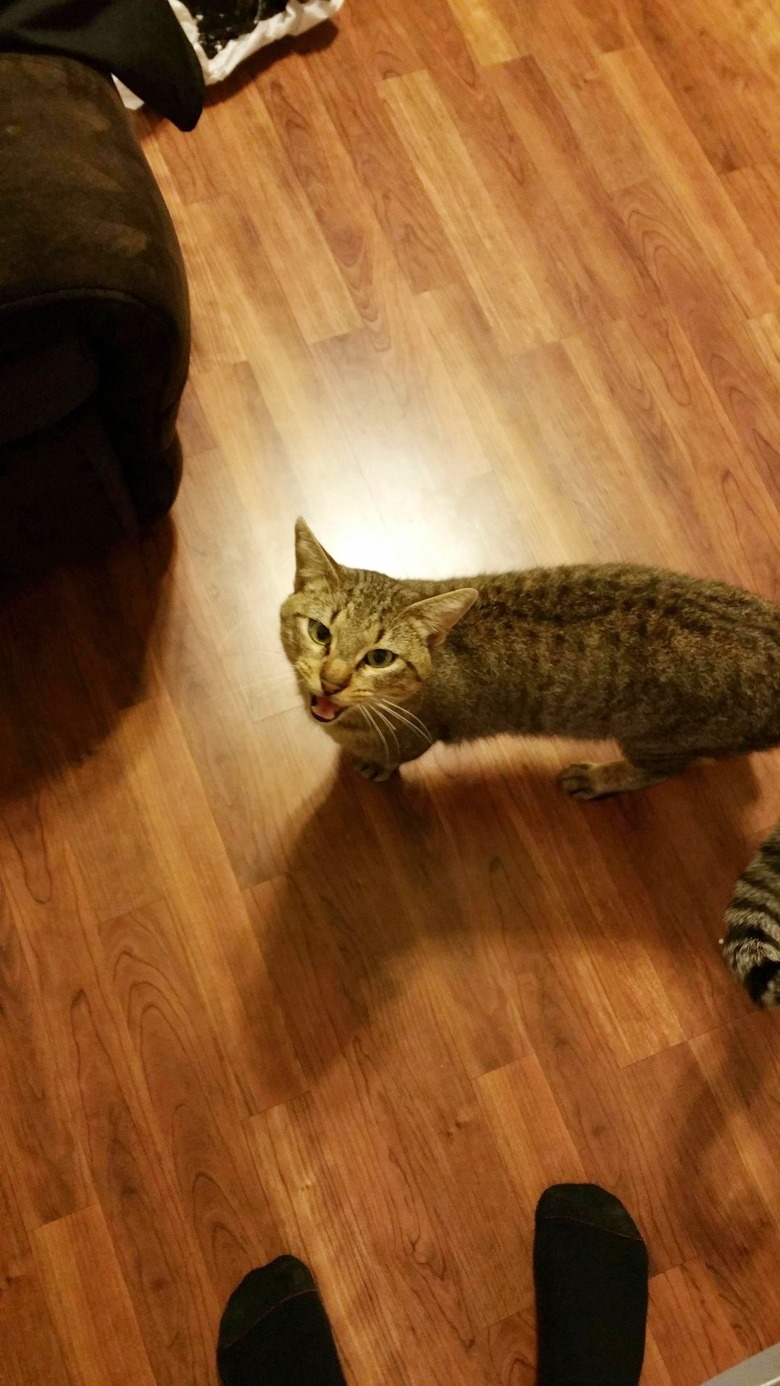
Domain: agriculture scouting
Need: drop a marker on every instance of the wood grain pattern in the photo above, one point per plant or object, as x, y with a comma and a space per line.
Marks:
190, 1094
85, 1288
32, 1346
475, 284
486, 252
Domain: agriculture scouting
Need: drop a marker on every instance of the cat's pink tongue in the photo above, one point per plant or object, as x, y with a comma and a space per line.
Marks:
325, 709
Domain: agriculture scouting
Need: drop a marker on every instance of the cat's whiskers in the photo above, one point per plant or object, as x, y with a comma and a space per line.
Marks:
406, 712
386, 720
407, 717
375, 727
414, 726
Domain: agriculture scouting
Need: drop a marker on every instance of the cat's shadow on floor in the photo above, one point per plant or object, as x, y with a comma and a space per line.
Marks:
445, 924
495, 891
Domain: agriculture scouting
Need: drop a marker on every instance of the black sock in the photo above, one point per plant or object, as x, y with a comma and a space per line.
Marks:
590, 1270
275, 1332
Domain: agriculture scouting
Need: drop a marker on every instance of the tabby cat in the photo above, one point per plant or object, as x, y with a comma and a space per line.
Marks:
670, 667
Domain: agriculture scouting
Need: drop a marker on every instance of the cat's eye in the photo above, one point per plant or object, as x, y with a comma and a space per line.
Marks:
379, 659
319, 632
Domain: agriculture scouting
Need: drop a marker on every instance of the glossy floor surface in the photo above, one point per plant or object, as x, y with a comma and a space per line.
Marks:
475, 283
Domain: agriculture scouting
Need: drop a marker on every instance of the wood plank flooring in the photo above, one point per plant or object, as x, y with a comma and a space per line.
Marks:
475, 283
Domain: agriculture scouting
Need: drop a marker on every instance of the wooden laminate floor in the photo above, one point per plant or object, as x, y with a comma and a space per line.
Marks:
475, 283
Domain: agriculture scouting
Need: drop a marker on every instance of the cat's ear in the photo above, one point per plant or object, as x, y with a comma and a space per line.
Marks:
311, 559
435, 616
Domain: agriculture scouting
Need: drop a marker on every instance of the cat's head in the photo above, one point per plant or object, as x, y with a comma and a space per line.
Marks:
352, 635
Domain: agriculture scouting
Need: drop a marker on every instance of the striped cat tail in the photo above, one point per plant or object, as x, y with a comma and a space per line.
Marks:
751, 943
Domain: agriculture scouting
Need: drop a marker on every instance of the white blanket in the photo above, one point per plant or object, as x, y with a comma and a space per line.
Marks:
296, 18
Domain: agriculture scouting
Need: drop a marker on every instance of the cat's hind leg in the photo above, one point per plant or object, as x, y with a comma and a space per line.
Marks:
638, 770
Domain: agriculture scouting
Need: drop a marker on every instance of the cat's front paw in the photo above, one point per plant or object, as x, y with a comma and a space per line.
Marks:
580, 782
371, 770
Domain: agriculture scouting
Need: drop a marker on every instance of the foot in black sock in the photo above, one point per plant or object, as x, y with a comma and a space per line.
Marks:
275, 1332
590, 1270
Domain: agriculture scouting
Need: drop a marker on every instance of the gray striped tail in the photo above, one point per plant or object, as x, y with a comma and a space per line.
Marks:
751, 943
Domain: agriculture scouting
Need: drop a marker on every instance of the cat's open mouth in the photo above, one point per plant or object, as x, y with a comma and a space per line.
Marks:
324, 709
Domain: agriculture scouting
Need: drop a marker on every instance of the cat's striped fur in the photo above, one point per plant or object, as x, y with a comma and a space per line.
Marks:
751, 943
671, 667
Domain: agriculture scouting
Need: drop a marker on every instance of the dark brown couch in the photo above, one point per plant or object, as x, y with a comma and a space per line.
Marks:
94, 319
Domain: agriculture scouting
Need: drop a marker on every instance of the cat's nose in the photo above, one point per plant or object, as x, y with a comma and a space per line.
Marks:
335, 674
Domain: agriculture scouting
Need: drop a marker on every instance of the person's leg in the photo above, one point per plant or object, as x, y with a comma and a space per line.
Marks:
275, 1332
590, 1271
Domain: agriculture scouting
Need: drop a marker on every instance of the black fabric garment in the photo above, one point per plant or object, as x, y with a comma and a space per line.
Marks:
139, 41
590, 1272
275, 1332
